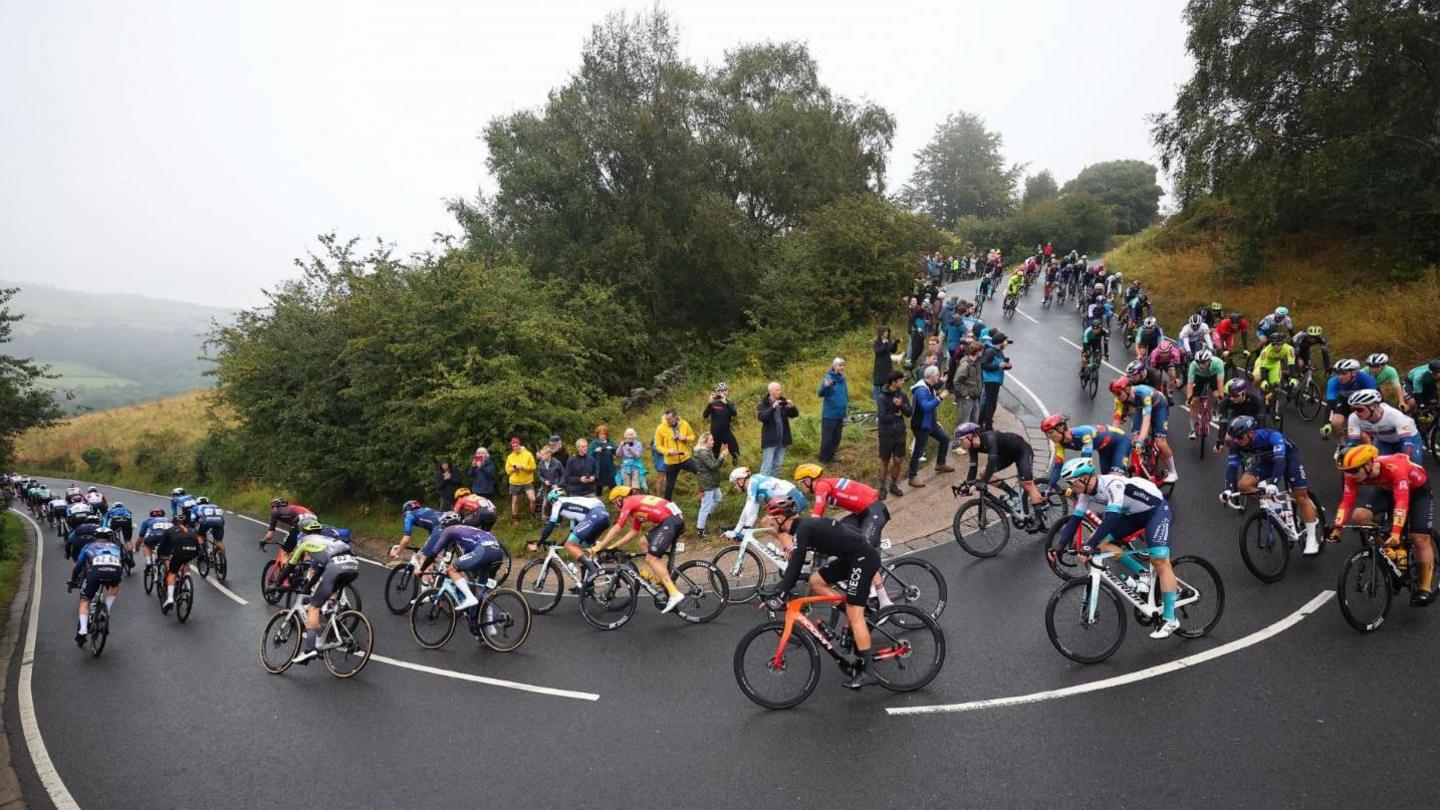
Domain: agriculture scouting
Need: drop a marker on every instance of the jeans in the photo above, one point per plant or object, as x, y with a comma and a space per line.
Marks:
922, 438
771, 458
969, 409
709, 499
989, 400
672, 472
830, 430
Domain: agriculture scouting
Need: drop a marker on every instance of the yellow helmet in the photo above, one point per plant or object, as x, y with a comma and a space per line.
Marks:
462, 492
1357, 457
619, 492
808, 472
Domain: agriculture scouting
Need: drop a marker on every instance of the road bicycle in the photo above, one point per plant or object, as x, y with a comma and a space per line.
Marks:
1268, 535
1307, 395
1375, 574
402, 584
609, 601
1090, 374
1200, 409
1234, 370
1276, 397
861, 417
1060, 289
1012, 302
778, 667
752, 565
154, 575
1427, 419
1048, 294
345, 642
98, 631
542, 580
1145, 462
1062, 554
1085, 617
210, 559
982, 524
501, 621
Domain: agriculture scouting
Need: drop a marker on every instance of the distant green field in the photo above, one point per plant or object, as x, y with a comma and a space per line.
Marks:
79, 375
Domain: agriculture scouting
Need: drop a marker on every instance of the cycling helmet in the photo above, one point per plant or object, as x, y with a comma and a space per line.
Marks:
1357, 457
555, 494
1315, 330
449, 518
91, 489
1282, 312
1076, 467
808, 472
1084, 257
117, 505
1239, 385
279, 503
1195, 321
739, 474
1347, 365
1150, 322
722, 386
157, 513
202, 500
622, 491
1241, 426
1135, 367
1204, 356
781, 507
1377, 359
1435, 366
92, 518
462, 492
1365, 396
1054, 421
1119, 386
1215, 306
103, 531
1144, 298
175, 491
409, 506
312, 525
1099, 288
966, 429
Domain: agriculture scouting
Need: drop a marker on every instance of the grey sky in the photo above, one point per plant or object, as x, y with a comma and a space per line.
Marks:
192, 149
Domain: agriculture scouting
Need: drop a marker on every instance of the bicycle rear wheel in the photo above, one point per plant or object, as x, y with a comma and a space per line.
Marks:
432, 619
980, 528
504, 620
506, 563
1071, 630
776, 685
280, 642
915, 582
542, 584
270, 583
610, 600
401, 588
1432, 440
1198, 576
1060, 553
705, 590
1309, 400
356, 642
222, 566
202, 564
149, 578
1364, 590
99, 628
1264, 547
744, 572
909, 648
1091, 383
184, 598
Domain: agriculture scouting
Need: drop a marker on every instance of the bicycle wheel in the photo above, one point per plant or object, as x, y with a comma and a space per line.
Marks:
184, 598
356, 642
1309, 400
1198, 576
915, 582
776, 685
202, 564
1264, 547
222, 566
504, 620
981, 528
1060, 553
432, 619
99, 628
1071, 630
149, 578
506, 562
1364, 590
705, 589
401, 588
349, 599
610, 600
909, 648
1090, 384
270, 583
1432, 440
745, 573
543, 585
280, 642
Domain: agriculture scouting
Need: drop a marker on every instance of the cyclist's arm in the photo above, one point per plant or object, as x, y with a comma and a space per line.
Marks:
1401, 492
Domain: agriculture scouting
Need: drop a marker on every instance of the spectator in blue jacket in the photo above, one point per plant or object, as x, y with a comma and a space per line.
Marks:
836, 393
927, 394
482, 474
993, 363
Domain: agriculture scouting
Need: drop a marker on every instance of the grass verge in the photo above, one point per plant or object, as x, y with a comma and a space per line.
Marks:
12, 544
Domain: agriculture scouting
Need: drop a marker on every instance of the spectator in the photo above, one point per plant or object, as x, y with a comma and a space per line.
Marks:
965, 382
708, 479
915, 326
674, 440
482, 474
924, 424
774, 413
885, 347
632, 462
720, 412
550, 471
520, 473
993, 364
603, 451
446, 482
581, 471
557, 449
892, 407
835, 390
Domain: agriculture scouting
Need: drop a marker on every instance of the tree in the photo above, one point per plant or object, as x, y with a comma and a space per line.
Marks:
1040, 187
24, 403
1127, 186
961, 172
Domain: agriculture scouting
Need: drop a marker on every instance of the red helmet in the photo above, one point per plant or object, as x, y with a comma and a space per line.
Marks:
1054, 421
1119, 385
781, 507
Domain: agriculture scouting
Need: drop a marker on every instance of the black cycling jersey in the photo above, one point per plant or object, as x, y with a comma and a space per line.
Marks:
823, 536
1305, 344
1252, 405
719, 412
1001, 450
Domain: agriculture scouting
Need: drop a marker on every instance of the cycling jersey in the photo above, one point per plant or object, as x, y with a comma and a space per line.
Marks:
764, 488
1392, 426
1419, 383
1109, 446
1305, 344
1269, 455
1016, 282
1211, 370
1272, 362
101, 562
1130, 504
464, 538
1400, 476
639, 509
117, 516
75, 511
1195, 338
1226, 331
1147, 400
324, 550
852, 496
1269, 325
424, 517
1165, 355
291, 515
472, 504
1092, 339
855, 560
207, 514
153, 529
587, 516
78, 537
1387, 375
96, 501
1336, 391
180, 543
1147, 338
1001, 451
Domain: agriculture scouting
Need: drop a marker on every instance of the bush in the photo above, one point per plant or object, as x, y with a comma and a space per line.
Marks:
162, 456
100, 460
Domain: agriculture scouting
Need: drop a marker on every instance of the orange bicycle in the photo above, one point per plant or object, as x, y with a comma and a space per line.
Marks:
778, 667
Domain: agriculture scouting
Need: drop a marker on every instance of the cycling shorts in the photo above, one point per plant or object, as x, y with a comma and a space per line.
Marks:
1155, 523
591, 527
152, 539
870, 522
852, 574
482, 560
483, 519
1294, 471
1410, 446
99, 575
125, 529
1421, 518
659, 540
1205, 385
182, 557
213, 528
1115, 456
1159, 418
339, 572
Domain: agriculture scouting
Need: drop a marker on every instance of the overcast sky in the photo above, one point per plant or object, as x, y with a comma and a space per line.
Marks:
192, 149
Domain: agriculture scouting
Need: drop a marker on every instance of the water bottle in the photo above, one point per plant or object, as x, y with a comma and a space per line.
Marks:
573, 571
1144, 585
774, 550
1402, 558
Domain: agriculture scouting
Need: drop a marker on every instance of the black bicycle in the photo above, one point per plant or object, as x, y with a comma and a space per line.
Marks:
982, 524
1375, 574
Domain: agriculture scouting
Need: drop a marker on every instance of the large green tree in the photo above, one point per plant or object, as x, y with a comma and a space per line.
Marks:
1039, 187
1128, 187
24, 402
962, 172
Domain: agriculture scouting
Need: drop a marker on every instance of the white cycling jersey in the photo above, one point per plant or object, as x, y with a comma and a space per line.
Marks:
1193, 336
1392, 426
1117, 493
761, 489
573, 508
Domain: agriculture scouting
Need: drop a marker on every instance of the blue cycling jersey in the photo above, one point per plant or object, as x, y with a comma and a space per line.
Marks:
121, 515
99, 553
208, 514
1336, 391
154, 527
465, 538
424, 517
1266, 452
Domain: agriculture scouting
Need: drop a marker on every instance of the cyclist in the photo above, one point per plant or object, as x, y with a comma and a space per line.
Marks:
1212, 315
82, 533
121, 521
1305, 343
55, 511
853, 562
475, 510
1387, 379
418, 515
1149, 419
480, 554
1266, 454
638, 509
1347, 379
1420, 385
1398, 485
176, 496
588, 520
1194, 336
1051, 276
180, 545
209, 522
1100, 308
1140, 308
1202, 379
1002, 450
151, 530
1092, 341
1113, 283
1131, 505
1275, 326
98, 502
1109, 446
333, 565
76, 513
283, 513
1273, 364
1371, 421
759, 489
100, 562
1167, 359
1013, 287
1140, 372
867, 512
1148, 337
1233, 326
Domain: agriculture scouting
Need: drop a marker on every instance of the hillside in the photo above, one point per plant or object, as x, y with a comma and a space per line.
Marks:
113, 349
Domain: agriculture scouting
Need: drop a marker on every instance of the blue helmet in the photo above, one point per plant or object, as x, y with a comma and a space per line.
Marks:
1241, 426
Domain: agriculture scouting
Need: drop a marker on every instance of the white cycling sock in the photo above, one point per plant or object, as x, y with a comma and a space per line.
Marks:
882, 597
170, 593
464, 586
1313, 527
109, 602
84, 623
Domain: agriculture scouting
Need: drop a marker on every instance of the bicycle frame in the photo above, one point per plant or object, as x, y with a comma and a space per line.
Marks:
552, 554
1099, 575
794, 614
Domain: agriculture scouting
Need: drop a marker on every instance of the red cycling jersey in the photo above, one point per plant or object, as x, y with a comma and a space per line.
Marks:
852, 496
289, 515
1398, 474
473, 503
642, 508
1225, 332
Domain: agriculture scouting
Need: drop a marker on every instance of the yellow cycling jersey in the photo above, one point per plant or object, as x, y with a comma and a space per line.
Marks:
1273, 360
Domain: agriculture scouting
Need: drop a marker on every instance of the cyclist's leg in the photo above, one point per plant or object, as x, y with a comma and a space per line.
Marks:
658, 542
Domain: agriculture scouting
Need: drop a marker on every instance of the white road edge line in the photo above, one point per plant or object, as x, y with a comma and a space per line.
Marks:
1044, 411
464, 676
39, 756
1026, 314
1132, 677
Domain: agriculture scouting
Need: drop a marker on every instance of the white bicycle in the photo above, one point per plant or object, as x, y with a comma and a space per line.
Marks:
542, 580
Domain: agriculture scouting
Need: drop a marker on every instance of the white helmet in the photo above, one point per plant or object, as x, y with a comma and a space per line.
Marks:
1377, 359
1365, 396
1150, 322
1204, 356
739, 474
1348, 365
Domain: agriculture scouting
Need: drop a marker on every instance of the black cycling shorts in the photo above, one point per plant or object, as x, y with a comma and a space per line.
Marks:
659, 540
1204, 385
1420, 520
126, 530
100, 575
483, 519
869, 523
1024, 465
182, 557
852, 574
215, 529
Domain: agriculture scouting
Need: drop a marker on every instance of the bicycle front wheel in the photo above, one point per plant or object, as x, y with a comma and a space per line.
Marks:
504, 620
184, 598
432, 619
346, 659
610, 600
772, 677
1432, 440
222, 566
99, 629
980, 528
1091, 382
909, 648
149, 578
1071, 629
915, 582
542, 584
744, 571
1264, 547
705, 590
1364, 590
1061, 554
1198, 578
401, 587
280, 642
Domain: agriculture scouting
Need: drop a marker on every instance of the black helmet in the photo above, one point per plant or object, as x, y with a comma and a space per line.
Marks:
1435, 366
1240, 426
449, 518
279, 503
